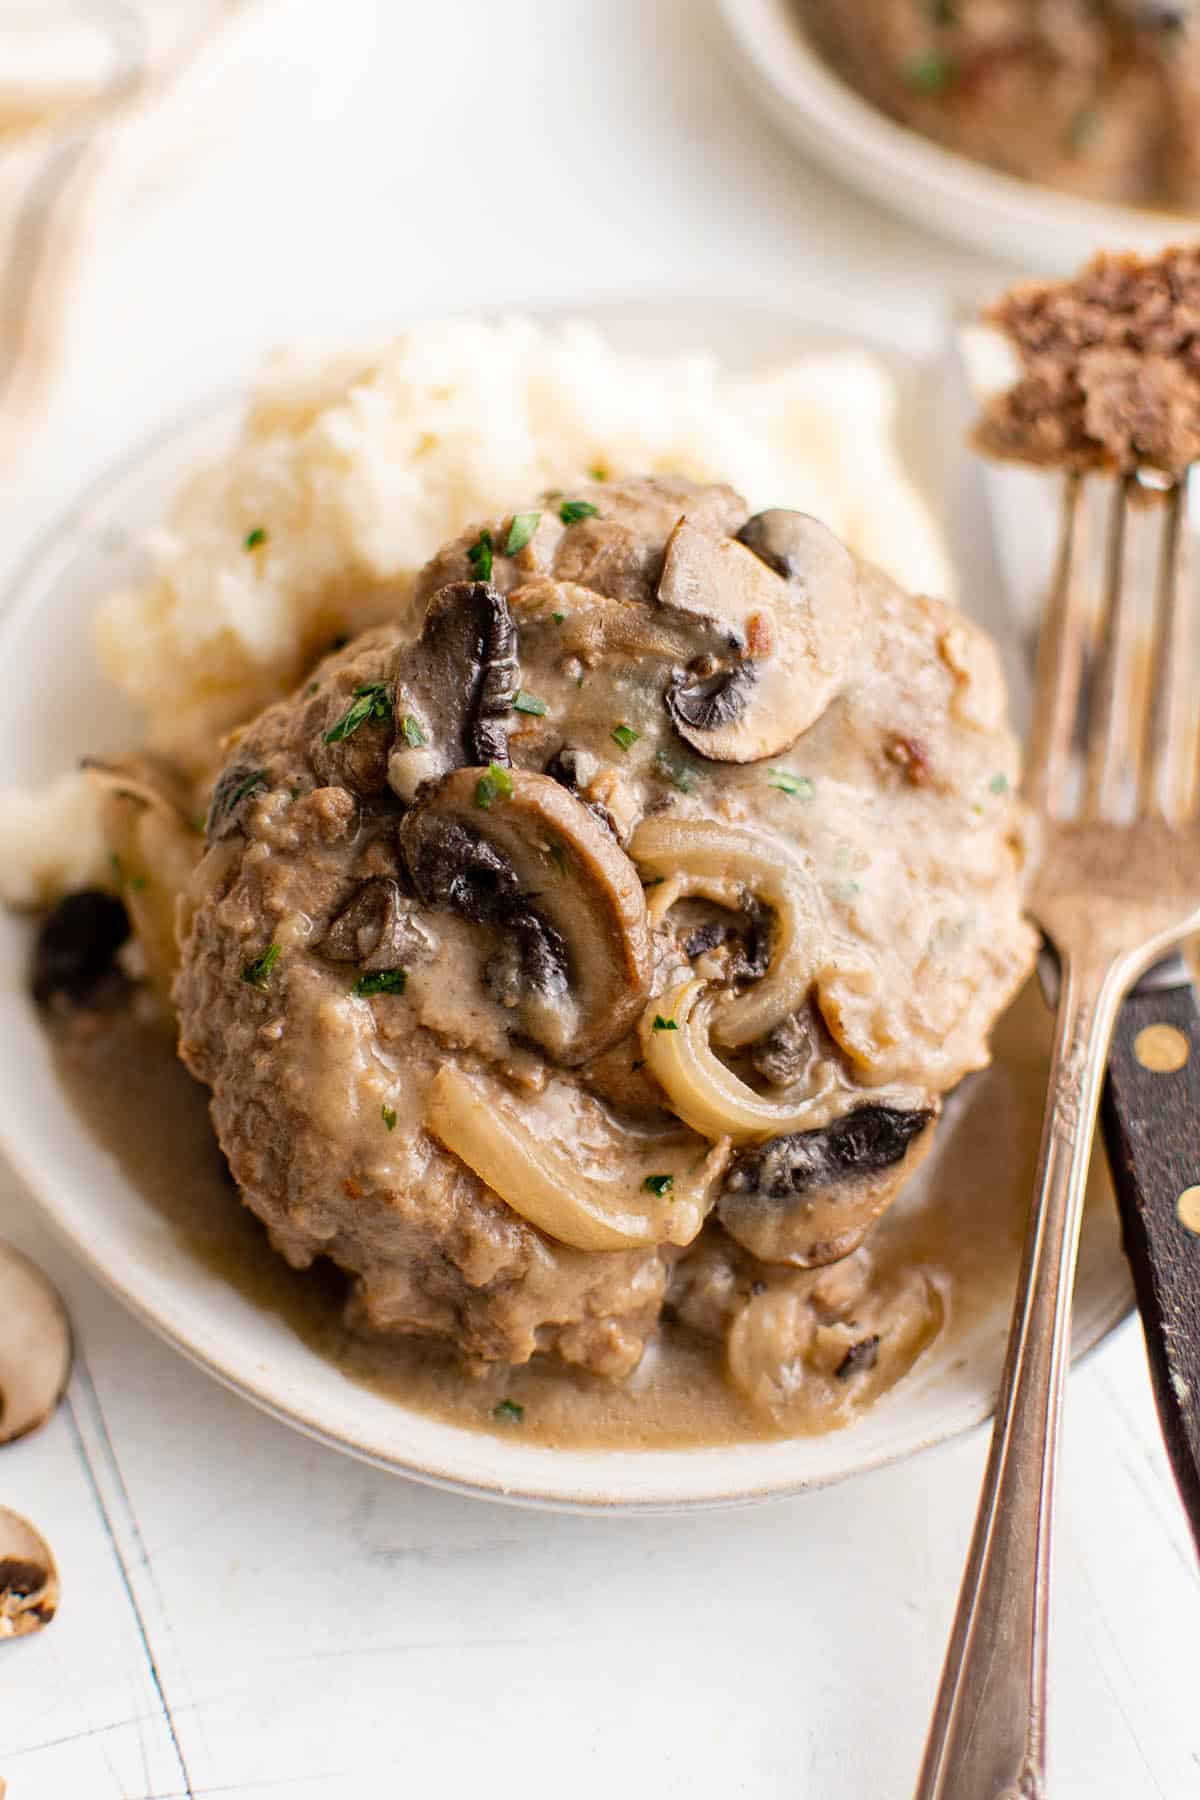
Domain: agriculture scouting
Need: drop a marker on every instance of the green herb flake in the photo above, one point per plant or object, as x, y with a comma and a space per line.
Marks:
480, 556
411, 732
998, 784
258, 973
508, 1412
529, 703
1082, 129
797, 787
942, 12
558, 617
661, 1024
598, 472
677, 773
380, 981
625, 736
495, 785
659, 1184
571, 511
257, 778
388, 1114
931, 72
138, 883
254, 540
373, 703
199, 824
312, 687
520, 531
559, 858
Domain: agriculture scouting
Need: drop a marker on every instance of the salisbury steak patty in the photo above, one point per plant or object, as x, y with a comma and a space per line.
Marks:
524, 948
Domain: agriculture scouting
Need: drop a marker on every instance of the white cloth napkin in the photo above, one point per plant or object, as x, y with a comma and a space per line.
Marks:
90, 91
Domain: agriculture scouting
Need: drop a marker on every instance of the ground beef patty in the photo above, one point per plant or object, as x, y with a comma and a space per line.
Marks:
1110, 367
673, 835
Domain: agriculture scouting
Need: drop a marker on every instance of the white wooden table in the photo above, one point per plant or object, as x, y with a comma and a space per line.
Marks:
245, 1614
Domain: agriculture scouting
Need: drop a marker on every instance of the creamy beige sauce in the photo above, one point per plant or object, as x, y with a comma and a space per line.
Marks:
962, 1214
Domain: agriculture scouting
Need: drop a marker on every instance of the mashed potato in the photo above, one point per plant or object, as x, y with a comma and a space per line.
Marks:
353, 466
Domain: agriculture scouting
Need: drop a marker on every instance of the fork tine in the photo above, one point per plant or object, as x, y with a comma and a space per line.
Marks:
1170, 674
1108, 745
1059, 662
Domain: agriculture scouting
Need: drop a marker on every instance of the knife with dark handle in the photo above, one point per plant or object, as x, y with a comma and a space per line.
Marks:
1151, 1117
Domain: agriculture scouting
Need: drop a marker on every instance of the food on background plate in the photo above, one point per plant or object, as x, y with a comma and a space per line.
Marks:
1106, 368
1097, 97
585, 950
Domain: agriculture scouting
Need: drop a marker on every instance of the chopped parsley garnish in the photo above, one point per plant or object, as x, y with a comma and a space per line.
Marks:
625, 736
254, 540
508, 1412
942, 12
388, 1114
598, 472
930, 72
659, 1184
679, 774
800, 787
558, 617
571, 511
480, 555
312, 687
520, 531
256, 778
495, 785
529, 703
411, 732
999, 784
661, 1024
258, 972
373, 703
1082, 129
380, 981
138, 883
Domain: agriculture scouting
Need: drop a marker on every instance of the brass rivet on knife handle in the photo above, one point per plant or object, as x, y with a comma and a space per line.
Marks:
1161, 1049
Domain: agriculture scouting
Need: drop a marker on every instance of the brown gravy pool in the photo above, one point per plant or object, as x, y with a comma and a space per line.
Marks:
963, 1214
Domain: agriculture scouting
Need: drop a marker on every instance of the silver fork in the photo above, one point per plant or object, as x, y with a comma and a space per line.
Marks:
1111, 895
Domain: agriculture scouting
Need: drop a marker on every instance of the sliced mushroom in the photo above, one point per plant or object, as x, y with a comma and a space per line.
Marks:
28, 1577
76, 945
810, 1197
455, 687
787, 597
35, 1346
376, 929
596, 1187
534, 860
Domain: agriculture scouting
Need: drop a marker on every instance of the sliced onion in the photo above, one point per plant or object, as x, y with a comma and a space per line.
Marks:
602, 1204
722, 863
711, 1098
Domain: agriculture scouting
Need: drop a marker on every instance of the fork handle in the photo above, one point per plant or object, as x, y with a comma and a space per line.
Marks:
1152, 1129
987, 1740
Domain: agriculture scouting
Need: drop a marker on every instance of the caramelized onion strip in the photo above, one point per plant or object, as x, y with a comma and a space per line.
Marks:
632, 1192
724, 863
675, 1032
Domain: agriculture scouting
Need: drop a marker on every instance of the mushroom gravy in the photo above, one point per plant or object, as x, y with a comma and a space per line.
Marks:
962, 1215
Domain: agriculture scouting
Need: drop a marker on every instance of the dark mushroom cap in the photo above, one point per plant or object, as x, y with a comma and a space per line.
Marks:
535, 864
456, 686
76, 945
810, 1197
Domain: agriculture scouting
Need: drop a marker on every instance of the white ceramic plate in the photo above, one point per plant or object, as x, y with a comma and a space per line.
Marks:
1035, 228
45, 649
